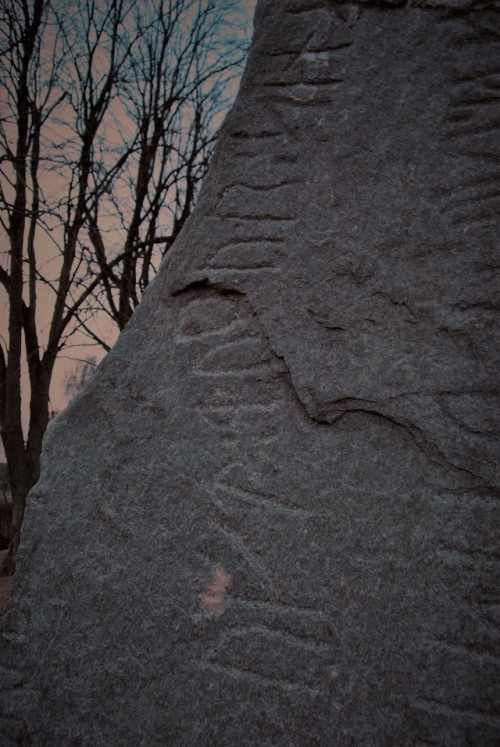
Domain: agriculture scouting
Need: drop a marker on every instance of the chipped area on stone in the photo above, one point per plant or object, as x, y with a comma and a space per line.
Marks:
273, 517
213, 598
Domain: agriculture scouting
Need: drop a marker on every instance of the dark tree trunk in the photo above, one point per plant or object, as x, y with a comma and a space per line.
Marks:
24, 460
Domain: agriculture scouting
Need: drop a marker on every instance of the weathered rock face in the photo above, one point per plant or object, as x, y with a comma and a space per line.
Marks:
270, 520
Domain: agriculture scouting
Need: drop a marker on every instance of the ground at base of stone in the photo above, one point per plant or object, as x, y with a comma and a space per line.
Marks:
5, 585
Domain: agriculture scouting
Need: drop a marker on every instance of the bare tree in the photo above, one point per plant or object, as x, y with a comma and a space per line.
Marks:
109, 116
80, 376
180, 81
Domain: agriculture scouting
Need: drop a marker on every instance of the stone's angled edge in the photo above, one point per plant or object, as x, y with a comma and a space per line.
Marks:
272, 517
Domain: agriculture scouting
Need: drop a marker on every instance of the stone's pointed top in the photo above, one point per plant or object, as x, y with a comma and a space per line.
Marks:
303, 6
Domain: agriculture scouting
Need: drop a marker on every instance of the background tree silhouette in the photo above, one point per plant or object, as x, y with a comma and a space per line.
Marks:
109, 114
80, 376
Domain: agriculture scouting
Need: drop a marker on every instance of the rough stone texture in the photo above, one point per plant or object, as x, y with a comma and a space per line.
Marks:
271, 518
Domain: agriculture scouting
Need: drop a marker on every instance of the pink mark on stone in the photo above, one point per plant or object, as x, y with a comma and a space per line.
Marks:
212, 599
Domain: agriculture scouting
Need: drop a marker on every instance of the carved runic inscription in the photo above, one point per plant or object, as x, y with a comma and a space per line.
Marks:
227, 348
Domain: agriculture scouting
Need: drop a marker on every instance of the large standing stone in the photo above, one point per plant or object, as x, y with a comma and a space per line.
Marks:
270, 520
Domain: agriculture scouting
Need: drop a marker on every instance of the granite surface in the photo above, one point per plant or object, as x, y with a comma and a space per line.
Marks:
272, 517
